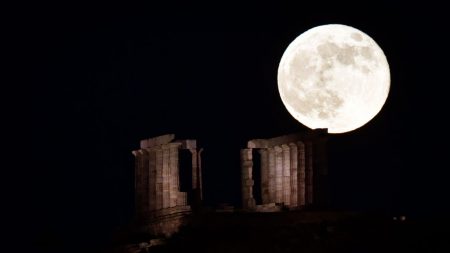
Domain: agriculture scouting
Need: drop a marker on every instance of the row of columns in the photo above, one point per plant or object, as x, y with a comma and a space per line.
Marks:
157, 182
286, 174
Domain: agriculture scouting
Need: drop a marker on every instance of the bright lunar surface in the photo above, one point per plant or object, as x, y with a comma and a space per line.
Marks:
335, 77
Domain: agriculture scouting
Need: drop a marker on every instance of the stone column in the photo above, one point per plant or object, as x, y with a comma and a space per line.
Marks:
272, 175
309, 177
194, 169
301, 174
159, 178
294, 166
278, 174
195, 194
264, 176
152, 179
286, 175
145, 181
141, 182
200, 179
248, 202
174, 174
166, 176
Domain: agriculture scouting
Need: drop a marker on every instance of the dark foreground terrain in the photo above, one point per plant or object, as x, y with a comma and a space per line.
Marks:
300, 232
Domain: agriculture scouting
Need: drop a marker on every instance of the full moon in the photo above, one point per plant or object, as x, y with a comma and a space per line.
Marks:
333, 76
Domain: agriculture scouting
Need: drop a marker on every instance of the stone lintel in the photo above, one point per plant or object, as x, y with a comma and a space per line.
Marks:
164, 146
272, 142
158, 140
269, 143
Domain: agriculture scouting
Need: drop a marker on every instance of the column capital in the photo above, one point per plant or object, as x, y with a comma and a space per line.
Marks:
285, 147
278, 149
246, 154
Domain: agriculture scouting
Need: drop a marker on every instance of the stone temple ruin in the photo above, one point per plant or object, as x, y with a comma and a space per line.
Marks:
293, 171
160, 200
292, 174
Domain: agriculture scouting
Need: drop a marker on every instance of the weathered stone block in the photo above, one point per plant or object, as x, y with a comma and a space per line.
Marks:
155, 141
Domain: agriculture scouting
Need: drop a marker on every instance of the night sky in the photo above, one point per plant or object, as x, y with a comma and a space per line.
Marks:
104, 77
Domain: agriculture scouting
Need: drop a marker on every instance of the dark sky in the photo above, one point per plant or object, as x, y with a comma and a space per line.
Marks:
104, 77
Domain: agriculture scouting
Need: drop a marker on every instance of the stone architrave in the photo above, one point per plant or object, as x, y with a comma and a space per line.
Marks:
278, 174
309, 177
301, 174
277, 141
248, 202
157, 141
286, 175
294, 175
264, 176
